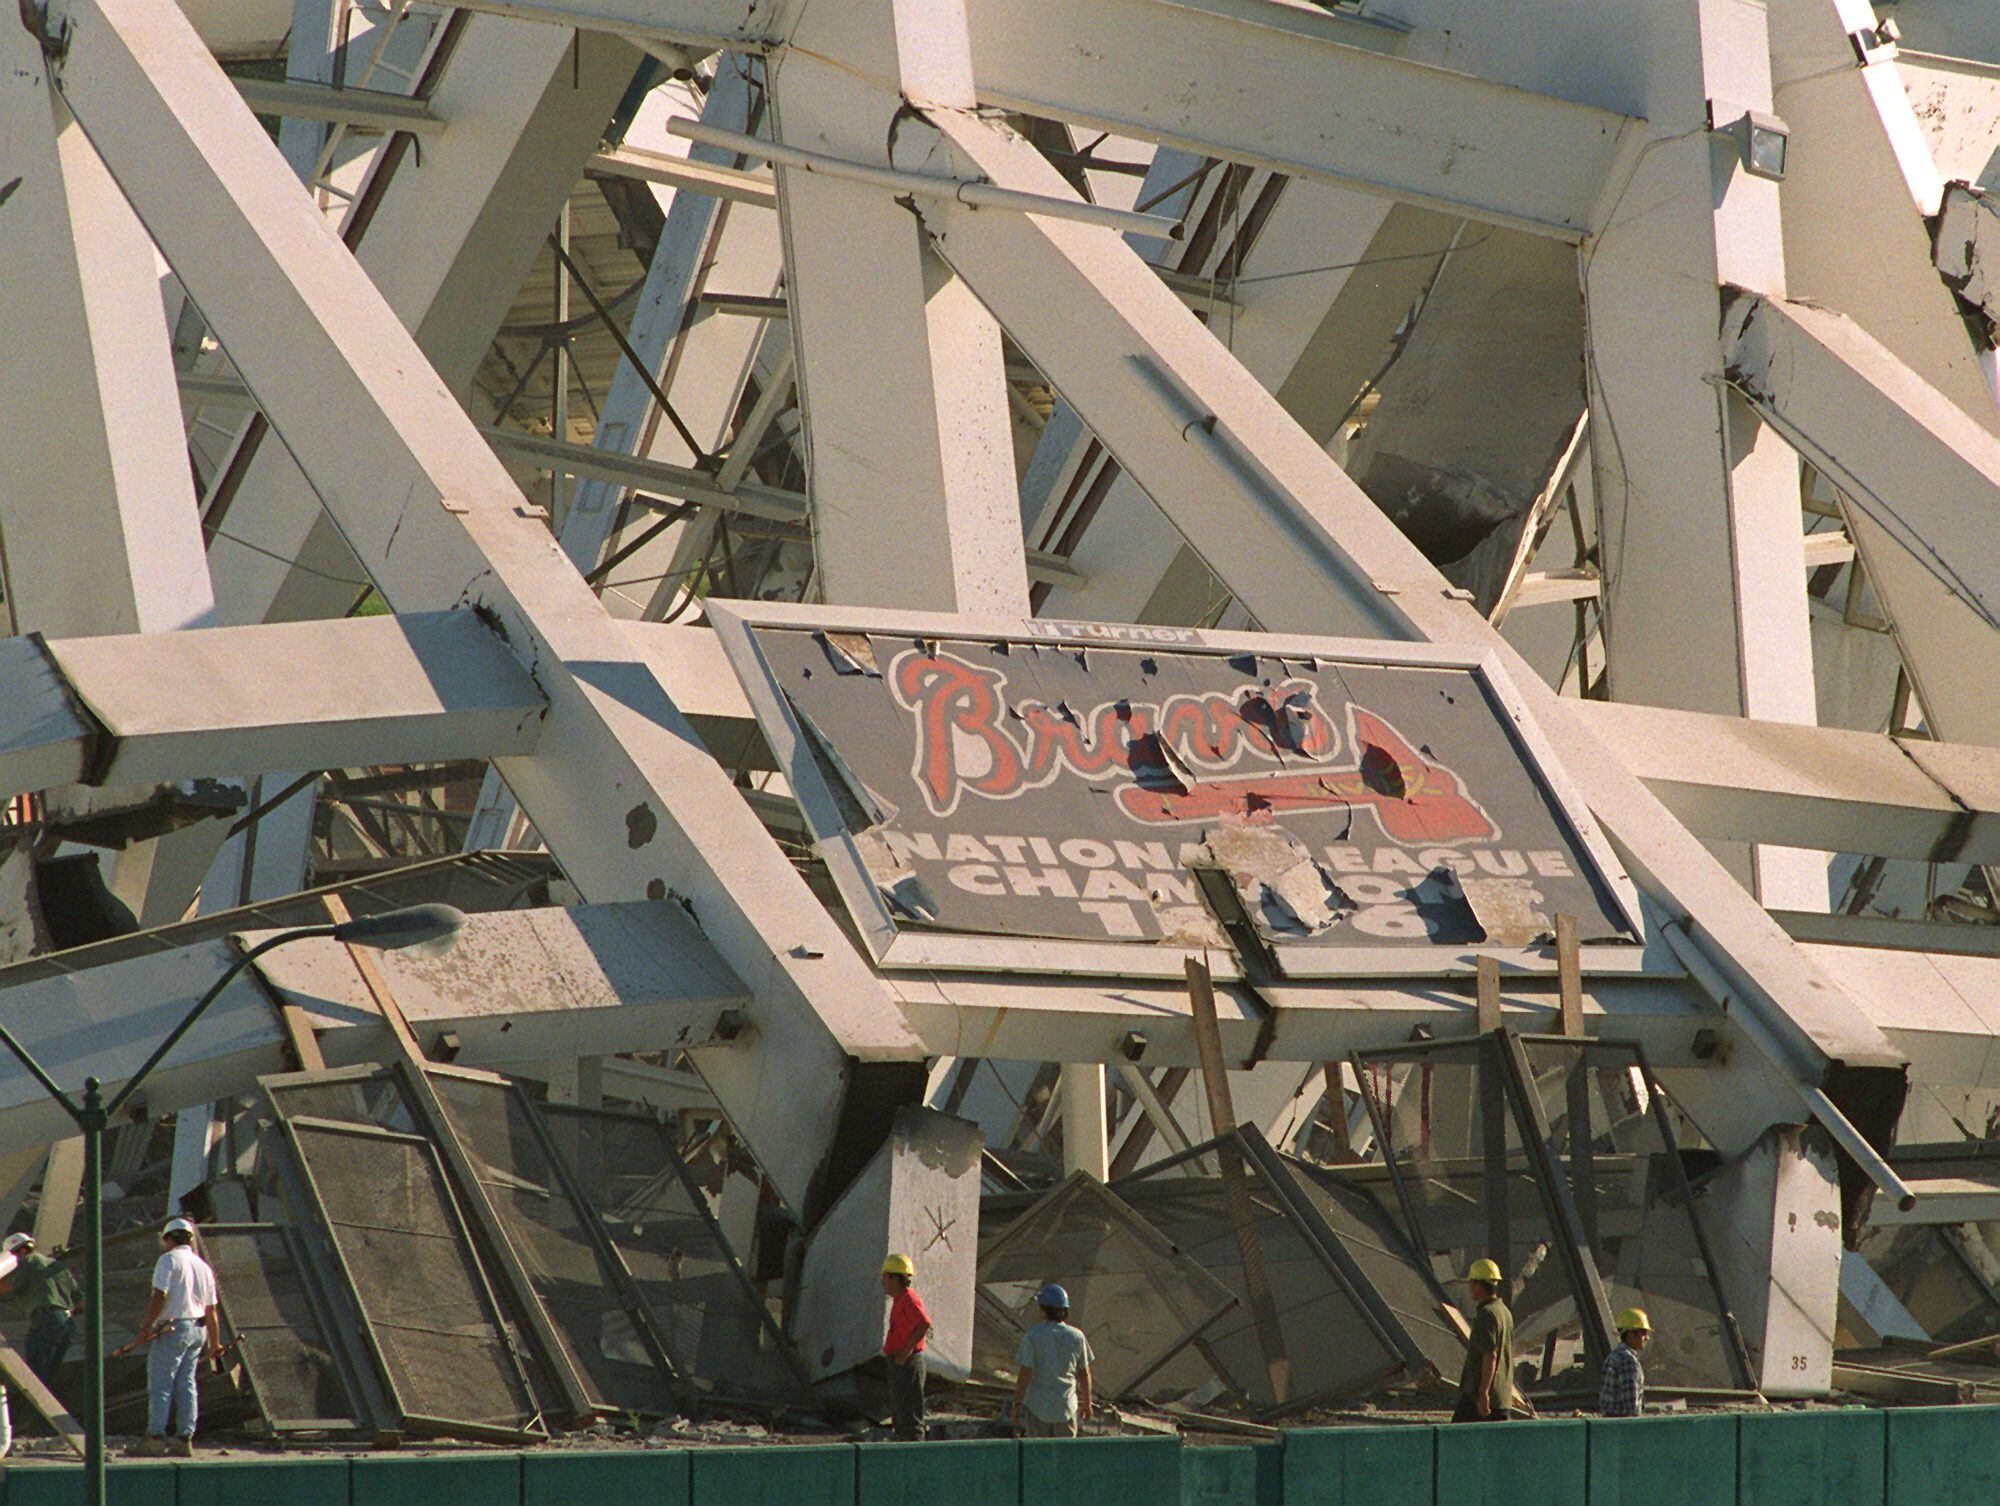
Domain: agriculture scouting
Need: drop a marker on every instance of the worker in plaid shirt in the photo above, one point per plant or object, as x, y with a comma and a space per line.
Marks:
1623, 1393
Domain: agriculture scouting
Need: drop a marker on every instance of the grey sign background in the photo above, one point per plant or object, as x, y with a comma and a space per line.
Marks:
1435, 789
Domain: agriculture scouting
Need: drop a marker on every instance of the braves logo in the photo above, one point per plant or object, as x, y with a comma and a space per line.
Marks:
963, 744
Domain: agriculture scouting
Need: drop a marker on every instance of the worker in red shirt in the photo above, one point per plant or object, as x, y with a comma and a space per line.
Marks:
903, 1347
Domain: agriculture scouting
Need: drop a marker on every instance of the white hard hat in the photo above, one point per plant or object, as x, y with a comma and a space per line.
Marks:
178, 1226
15, 1242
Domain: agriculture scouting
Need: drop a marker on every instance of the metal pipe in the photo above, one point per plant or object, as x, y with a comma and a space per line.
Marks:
977, 194
1836, 1124
93, 1119
1866, 1156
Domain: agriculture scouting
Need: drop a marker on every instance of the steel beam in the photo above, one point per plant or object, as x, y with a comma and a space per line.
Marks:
704, 245
439, 524
739, 185
450, 234
370, 109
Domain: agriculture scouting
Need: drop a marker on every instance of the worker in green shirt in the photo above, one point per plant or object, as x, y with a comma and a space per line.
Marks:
52, 1297
1486, 1385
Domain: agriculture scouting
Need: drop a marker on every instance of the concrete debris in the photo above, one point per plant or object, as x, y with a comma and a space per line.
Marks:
1509, 910
851, 653
918, 1193
1283, 889
901, 886
22, 932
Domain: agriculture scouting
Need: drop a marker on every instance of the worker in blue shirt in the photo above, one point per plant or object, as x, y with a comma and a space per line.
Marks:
1052, 1391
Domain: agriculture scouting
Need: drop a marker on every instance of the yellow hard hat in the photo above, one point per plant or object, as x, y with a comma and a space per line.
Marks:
1634, 1318
1484, 1270
898, 1265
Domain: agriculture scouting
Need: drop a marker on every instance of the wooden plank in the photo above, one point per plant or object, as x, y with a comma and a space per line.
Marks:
24, 1382
1334, 1113
1235, 1189
301, 1037
1985, 1347
1208, 1046
1489, 995
1569, 976
378, 988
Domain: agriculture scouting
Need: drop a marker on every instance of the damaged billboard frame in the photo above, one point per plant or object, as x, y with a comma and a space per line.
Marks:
1100, 799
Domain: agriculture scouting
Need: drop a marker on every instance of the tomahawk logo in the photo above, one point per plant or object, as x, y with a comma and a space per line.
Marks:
1266, 752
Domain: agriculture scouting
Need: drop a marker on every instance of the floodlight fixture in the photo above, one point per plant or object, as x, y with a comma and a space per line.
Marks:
1761, 139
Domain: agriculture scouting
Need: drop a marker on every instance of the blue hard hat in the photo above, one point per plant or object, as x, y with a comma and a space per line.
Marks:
1053, 1296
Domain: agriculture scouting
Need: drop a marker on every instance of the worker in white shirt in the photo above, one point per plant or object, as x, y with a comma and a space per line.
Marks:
180, 1323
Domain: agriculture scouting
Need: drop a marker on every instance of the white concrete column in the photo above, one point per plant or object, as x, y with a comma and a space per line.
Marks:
97, 501
1083, 1119
62, 1182
1699, 509
909, 442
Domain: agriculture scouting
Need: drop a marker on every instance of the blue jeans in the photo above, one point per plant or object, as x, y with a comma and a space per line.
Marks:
172, 1365
50, 1331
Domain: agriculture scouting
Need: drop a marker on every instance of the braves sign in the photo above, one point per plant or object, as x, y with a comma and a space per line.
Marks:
1055, 789
1160, 752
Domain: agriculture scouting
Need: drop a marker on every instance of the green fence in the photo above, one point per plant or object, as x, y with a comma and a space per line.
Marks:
1928, 1456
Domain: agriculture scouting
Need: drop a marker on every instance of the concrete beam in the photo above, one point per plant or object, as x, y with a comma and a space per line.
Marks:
1814, 787
310, 695
521, 985
1329, 101
1922, 473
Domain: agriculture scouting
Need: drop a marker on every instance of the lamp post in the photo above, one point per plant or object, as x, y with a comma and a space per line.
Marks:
426, 929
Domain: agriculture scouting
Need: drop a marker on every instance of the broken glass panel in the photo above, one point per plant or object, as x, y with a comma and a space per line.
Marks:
1595, 1218
1143, 1301
279, 1331
1435, 1113
711, 1319
407, 1254
1378, 1246
1309, 1327
1925, 1270
1607, 1124
552, 1236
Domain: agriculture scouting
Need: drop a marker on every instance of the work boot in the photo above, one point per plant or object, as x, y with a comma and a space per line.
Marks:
150, 1447
180, 1448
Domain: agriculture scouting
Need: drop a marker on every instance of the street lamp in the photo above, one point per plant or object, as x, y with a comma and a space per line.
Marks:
428, 930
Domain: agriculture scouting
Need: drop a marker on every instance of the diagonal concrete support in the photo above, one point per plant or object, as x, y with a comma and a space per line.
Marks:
1919, 473
99, 522
1305, 550
618, 784
450, 233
